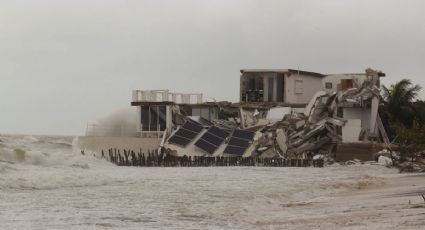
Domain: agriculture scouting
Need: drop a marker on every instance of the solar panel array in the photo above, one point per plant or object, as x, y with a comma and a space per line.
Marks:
186, 133
211, 140
239, 142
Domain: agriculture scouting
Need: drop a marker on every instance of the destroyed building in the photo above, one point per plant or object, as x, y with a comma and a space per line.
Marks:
279, 85
283, 113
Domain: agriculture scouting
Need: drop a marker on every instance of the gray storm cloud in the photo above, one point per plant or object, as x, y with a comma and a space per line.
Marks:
63, 63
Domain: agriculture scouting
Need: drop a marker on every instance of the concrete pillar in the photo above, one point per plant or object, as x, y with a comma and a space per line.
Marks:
169, 118
266, 88
241, 88
285, 99
139, 119
374, 114
242, 117
275, 87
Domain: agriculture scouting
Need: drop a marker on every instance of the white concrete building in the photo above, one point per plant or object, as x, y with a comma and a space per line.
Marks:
279, 85
344, 81
155, 109
363, 120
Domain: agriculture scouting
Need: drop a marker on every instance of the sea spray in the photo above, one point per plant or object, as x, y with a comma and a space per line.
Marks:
38, 150
48, 162
122, 122
20, 154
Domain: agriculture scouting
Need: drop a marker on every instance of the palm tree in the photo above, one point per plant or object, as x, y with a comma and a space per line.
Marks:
420, 111
399, 101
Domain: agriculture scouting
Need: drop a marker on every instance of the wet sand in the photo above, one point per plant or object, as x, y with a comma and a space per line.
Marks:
390, 203
55, 187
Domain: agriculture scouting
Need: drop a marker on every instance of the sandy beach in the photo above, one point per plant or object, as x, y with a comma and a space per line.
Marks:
51, 186
391, 203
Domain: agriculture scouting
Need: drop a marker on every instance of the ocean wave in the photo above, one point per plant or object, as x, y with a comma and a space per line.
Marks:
52, 163
43, 162
36, 150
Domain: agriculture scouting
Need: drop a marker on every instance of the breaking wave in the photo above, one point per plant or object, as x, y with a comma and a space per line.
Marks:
47, 162
36, 150
42, 162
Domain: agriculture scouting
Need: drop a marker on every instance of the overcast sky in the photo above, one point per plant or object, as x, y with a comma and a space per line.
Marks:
63, 63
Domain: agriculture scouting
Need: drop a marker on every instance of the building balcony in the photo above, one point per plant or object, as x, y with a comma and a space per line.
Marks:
141, 97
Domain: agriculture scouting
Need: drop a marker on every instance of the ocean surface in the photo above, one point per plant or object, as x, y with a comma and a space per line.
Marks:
46, 184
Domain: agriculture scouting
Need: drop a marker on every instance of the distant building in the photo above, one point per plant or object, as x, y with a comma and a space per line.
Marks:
155, 109
279, 85
345, 106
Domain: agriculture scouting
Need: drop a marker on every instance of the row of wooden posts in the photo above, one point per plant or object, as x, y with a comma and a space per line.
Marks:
154, 159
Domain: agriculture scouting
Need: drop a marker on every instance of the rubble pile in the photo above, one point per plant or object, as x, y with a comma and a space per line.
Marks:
318, 129
312, 131
391, 158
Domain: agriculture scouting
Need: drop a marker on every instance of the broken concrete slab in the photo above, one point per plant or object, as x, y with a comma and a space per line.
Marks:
281, 140
313, 101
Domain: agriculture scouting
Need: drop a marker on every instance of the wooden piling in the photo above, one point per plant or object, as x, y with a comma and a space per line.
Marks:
153, 159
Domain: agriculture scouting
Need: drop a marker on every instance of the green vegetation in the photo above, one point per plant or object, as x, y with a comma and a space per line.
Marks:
399, 101
404, 115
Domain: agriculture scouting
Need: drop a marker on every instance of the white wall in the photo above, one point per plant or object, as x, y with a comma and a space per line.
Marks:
358, 113
351, 131
310, 85
335, 79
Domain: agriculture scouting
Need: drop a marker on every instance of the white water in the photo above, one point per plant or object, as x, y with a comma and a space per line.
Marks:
44, 184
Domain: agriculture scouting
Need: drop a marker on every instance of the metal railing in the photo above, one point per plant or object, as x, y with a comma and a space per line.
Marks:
166, 96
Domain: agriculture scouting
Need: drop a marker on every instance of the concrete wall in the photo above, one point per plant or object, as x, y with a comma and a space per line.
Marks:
96, 144
358, 113
310, 85
361, 151
351, 131
335, 79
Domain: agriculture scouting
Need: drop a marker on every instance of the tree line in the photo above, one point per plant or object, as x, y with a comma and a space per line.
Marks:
403, 115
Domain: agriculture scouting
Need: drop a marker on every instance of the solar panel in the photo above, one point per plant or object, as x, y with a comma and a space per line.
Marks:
207, 147
212, 139
179, 140
185, 134
243, 134
238, 142
193, 126
218, 132
234, 150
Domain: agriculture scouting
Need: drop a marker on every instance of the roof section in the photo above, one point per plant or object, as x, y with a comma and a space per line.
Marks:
292, 71
346, 74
